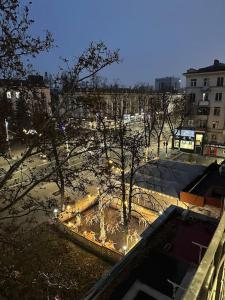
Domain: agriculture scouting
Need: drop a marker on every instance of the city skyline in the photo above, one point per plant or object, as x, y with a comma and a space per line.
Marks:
155, 38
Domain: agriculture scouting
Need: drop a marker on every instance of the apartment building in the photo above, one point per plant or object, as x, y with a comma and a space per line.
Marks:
34, 97
167, 84
33, 89
205, 111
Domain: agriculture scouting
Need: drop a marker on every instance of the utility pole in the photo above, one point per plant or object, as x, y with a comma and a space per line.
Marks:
7, 138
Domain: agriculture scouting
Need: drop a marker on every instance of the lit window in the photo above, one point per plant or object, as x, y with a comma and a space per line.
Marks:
205, 97
8, 95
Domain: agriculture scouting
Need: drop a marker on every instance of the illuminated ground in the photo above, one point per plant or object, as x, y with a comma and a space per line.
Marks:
115, 231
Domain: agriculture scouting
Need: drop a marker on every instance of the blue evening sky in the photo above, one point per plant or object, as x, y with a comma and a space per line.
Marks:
156, 38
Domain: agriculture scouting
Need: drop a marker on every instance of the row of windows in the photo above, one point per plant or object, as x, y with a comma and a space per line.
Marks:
9, 94
206, 111
220, 81
203, 124
218, 97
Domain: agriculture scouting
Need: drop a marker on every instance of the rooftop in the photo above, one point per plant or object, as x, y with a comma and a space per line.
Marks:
167, 254
167, 176
32, 80
211, 184
217, 66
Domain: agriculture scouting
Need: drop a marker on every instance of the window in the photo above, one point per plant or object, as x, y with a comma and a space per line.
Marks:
190, 123
218, 97
216, 111
219, 81
205, 97
192, 97
202, 124
203, 111
214, 137
8, 95
205, 81
193, 82
215, 124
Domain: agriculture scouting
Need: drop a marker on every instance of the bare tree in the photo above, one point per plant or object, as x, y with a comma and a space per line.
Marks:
17, 44
116, 164
161, 112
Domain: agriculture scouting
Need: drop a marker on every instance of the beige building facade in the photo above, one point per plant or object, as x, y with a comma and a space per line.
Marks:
205, 108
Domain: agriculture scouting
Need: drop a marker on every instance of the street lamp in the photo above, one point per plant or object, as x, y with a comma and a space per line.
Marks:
125, 249
55, 211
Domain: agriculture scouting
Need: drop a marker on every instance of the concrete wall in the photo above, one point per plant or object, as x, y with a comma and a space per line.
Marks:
109, 255
200, 200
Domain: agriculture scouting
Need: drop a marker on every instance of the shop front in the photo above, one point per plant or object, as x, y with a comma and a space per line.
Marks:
189, 140
216, 150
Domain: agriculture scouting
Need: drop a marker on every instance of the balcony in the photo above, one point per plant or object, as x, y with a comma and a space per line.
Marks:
203, 103
203, 110
208, 281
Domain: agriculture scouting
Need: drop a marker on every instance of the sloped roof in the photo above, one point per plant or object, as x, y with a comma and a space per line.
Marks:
217, 66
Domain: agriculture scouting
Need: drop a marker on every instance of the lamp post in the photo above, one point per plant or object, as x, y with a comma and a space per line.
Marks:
7, 137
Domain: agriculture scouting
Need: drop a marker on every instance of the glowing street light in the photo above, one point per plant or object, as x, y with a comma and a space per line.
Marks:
55, 211
125, 249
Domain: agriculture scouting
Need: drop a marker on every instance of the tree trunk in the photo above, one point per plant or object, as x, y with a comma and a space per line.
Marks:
102, 236
158, 145
60, 174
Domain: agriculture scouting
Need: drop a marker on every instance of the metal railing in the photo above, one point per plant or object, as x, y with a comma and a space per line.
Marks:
209, 280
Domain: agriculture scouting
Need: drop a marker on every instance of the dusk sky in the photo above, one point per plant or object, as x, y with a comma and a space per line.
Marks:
156, 38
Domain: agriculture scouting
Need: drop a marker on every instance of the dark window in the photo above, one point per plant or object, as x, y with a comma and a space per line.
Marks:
193, 82
205, 82
203, 111
213, 137
218, 97
219, 81
192, 97
202, 124
216, 111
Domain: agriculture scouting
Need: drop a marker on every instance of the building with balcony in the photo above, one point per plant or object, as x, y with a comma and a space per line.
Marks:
205, 109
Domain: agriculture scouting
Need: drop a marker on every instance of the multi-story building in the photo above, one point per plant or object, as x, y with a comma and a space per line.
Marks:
205, 111
23, 104
167, 84
33, 90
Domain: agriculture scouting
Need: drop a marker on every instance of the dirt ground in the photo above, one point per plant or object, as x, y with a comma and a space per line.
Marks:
44, 265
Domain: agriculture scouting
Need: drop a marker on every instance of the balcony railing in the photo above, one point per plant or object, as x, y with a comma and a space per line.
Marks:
203, 103
209, 280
